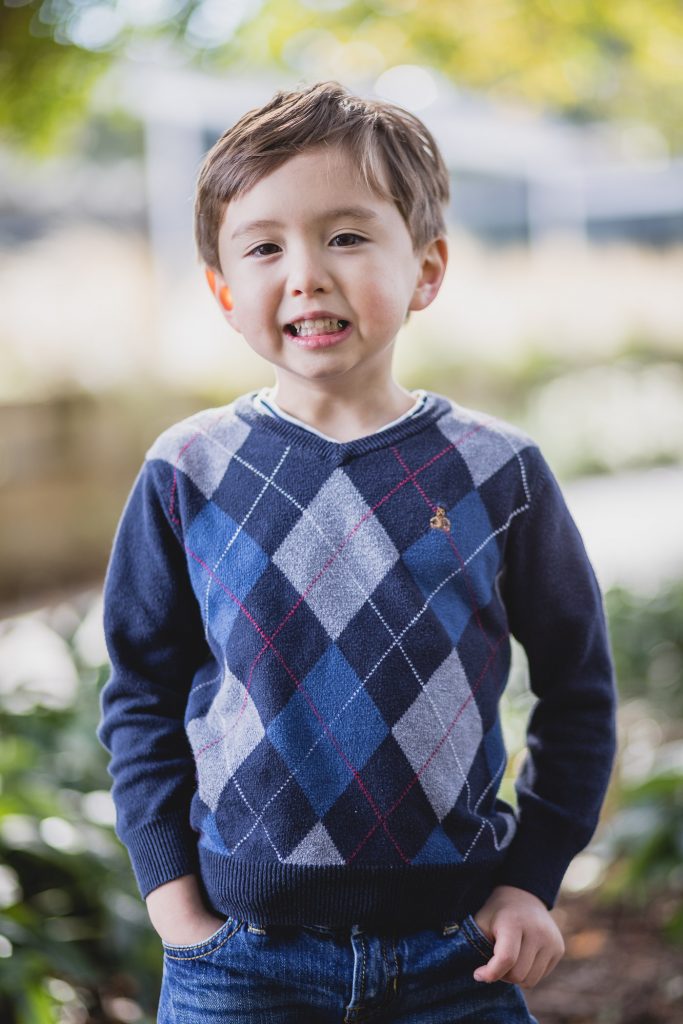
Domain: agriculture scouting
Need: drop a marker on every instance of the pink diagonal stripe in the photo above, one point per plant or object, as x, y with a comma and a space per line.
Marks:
181, 453
436, 749
345, 540
463, 567
299, 685
268, 639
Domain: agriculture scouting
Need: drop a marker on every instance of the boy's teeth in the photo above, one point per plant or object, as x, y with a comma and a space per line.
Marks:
307, 328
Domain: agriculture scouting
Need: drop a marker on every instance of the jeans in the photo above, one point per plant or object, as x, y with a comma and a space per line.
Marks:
245, 974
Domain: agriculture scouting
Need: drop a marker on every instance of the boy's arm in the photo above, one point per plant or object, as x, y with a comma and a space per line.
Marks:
156, 643
555, 610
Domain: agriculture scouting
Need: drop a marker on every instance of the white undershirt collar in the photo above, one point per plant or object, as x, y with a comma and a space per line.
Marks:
265, 403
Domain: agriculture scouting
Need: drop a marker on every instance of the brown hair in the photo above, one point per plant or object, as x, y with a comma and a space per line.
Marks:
388, 143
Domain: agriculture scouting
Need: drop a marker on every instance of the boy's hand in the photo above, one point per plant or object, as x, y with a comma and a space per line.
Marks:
527, 942
178, 913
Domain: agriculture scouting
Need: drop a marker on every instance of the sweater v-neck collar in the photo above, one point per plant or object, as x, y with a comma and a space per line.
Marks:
339, 451
264, 402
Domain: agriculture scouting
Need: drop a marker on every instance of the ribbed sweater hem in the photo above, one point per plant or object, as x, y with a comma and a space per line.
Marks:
268, 893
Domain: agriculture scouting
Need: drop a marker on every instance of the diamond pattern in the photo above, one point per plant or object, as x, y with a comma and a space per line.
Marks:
224, 737
263, 813
316, 848
356, 641
484, 445
438, 849
202, 447
457, 570
338, 540
440, 733
255, 489
224, 564
327, 732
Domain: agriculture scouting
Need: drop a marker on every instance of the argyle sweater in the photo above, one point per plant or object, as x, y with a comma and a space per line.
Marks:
309, 641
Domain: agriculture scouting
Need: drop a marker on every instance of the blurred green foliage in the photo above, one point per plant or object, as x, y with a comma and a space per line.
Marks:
44, 87
585, 60
647, 637
643, 842
73, 930
74, 934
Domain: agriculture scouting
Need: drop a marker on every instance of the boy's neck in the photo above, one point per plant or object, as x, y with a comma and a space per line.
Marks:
342, 415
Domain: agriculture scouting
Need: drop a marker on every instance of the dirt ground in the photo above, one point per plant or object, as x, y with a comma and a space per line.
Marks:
618, 969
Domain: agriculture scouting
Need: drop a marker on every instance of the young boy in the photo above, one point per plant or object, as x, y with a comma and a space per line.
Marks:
308, 610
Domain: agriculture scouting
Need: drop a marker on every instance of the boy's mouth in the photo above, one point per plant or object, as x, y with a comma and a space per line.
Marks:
314, 328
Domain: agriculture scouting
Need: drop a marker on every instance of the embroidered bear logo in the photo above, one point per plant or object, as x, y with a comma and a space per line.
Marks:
439, 521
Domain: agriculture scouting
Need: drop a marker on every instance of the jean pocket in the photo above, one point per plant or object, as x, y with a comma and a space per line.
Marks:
207, 946
477, 938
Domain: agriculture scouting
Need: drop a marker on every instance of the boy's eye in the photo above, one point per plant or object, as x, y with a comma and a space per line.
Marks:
265, 249
346, 238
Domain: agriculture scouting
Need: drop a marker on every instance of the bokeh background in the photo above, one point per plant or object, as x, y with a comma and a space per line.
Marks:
562, 311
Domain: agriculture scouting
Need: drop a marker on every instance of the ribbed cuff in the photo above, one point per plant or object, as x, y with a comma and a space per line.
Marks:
162, 851
539, 855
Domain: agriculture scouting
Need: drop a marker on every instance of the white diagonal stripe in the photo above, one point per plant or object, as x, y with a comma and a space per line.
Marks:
396, 640
235, 535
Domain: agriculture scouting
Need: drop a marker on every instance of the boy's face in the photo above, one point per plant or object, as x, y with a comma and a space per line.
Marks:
322, 273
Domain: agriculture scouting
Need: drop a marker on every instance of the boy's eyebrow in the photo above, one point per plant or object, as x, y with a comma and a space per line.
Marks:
354, 212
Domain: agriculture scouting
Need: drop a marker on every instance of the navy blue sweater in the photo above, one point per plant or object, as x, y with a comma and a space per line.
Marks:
309, 641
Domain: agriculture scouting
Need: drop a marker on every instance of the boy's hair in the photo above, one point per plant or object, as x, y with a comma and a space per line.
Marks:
390, 146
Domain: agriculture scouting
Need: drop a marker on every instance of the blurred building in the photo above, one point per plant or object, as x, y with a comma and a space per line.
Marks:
101, 296
518, 175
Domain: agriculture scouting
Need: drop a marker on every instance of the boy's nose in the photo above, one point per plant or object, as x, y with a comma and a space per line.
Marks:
308, 276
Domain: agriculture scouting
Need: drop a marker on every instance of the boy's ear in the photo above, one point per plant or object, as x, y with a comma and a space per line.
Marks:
222, 294
434, 258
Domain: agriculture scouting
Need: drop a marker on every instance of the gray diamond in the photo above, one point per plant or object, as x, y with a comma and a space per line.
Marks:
337, 553
485, 449
202, 446
316, 848
224, 738
445, 706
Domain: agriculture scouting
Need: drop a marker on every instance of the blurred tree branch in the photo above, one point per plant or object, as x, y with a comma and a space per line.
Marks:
44, 86
586, 59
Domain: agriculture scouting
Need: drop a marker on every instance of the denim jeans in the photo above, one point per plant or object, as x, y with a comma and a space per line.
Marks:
245, 974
